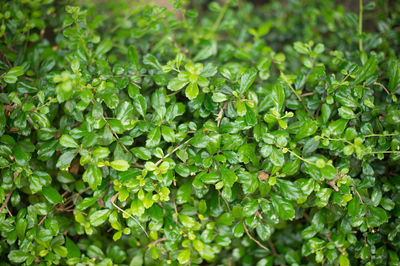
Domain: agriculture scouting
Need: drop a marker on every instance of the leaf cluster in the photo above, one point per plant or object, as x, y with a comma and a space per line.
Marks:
131, 134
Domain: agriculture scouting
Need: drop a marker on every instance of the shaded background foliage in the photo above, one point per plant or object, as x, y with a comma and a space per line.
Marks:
212, 133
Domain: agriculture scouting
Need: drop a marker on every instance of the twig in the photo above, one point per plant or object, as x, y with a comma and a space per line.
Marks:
252, 238
156, 242
332, 182
42, 220
294, 91
382, 86
172, 152
138, 165
307, 217
116, 136
358, 195
221, 113
330, 240
307, 94
322, 101
307, 76
118, 208
226, 202
8, 195
175, 208
360, 25
271, 245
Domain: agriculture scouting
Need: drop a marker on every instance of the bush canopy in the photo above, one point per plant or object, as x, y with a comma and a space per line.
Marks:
220, 133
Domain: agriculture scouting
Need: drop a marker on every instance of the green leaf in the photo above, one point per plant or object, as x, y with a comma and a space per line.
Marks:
228, 176
277, 158
99, 217
354, 208
278, 96
367, 70
101, 152
283, 208
247, 79
93, 176
264, 231
200, 141
301, 48
225, 219
308, 128
133, 56
18, 256
337, 127
68, 141
65, 159
12, 74
184, 256
137, 207
52, 195
61, 251
346, 113
73, 249
191, 91
177, 84
142, 153
344, 261
289, 190
187, 221
153, 138
393, 74
184, 192
140, 104
393, 117
168, 134
21, 157
377, 217
329, 172
103, 48
241, 107
120, 165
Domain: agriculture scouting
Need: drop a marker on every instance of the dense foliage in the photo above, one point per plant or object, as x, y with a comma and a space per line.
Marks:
234, 134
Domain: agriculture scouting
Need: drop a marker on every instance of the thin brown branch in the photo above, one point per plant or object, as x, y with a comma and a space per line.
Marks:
221, 113
332, 182
307, 94
307, 217
172, 152
175, 208
4, 205
358, 195
382, 86
113, 198
328, 236
115, 134
154, 243
252, 238
226, 202
322, 101
138, 165
272, 247
297, 95
42, 220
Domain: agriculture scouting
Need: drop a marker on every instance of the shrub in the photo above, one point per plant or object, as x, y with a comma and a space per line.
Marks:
235, 134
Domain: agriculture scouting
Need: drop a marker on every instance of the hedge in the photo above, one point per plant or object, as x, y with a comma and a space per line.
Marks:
220, 133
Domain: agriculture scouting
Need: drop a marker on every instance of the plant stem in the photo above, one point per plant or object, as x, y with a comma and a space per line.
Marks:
380, 135
360, 22
297, 95
219, 19
113, 198
172, 152
252, 238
